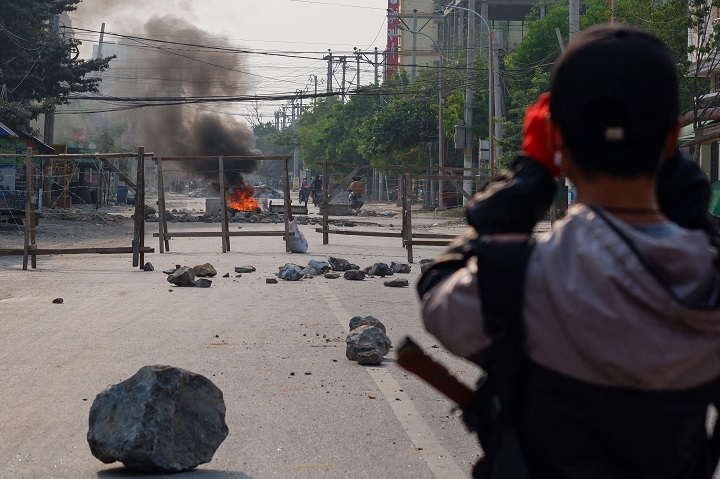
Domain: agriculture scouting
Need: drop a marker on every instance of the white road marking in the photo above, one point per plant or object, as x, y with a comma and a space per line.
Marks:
435, 455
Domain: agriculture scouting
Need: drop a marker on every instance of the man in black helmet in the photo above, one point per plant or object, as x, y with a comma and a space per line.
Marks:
619, 329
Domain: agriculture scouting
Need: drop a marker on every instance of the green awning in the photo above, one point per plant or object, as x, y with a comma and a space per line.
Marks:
714, 208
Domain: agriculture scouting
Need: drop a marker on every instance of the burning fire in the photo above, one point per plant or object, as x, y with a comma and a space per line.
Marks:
242, 198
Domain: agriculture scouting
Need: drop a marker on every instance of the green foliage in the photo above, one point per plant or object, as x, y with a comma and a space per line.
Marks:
37, 72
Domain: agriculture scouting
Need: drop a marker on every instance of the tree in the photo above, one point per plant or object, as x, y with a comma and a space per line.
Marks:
669, 20
37, 71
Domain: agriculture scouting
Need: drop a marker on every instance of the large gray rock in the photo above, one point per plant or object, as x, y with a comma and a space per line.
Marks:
319, 266
163, 419
291, 272
205, 271
397, 283
183, 276
354, 275
367, 344
203, 283
400, 267
425, 264
339, 264
379, 269
358, 321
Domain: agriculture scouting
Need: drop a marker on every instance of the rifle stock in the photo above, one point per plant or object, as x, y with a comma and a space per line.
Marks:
412, 358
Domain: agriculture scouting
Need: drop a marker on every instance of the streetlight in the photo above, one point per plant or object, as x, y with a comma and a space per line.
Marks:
468, 96
441, 163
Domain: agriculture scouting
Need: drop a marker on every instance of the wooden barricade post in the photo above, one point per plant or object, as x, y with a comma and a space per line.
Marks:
223, 207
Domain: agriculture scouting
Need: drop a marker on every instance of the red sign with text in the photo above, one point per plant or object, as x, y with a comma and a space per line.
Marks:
392, 61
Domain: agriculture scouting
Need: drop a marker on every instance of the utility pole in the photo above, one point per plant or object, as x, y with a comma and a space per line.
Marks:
377, 65
499, 103
344, 69
329, 59
49, 135
468, 148
357, 60
574, 17
413, 61
277, 121
315, 97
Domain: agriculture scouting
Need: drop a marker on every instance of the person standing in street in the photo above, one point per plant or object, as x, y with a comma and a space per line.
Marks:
618, 337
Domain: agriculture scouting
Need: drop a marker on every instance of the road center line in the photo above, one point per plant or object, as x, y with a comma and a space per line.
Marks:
435, 455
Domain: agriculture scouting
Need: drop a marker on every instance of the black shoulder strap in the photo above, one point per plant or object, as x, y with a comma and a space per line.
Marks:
502, 266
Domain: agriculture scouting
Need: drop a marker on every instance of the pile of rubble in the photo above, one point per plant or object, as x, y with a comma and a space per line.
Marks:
184, 215
333, 268
78, 214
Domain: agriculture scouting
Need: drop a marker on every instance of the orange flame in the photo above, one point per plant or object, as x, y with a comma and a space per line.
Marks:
242, 199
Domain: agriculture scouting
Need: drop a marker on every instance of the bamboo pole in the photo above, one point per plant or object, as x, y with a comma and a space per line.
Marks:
162, 225
288, 205
324, 205
29, 175
223, 207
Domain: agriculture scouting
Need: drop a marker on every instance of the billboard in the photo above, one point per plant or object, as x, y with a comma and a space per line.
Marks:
392, 61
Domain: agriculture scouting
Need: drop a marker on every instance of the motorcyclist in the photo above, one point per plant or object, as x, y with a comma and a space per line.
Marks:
304, 193
316, 189
357, 189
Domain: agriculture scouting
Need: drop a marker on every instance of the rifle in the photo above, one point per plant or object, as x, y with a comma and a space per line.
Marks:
412, 358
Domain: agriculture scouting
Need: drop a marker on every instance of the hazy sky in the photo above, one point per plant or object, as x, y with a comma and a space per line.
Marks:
306, 28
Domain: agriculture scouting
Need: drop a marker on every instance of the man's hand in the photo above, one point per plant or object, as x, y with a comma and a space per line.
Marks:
536, 139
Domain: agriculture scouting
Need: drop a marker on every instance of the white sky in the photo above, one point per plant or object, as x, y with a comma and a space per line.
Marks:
309, 26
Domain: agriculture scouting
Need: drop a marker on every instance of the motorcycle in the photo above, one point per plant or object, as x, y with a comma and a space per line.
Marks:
355, 203
316, 197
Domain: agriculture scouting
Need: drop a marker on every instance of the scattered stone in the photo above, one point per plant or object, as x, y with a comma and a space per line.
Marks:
271, 280
425, 264
379, 269
170, 271
309, 272
203, 283
183, 276
291, 272
148, 267
400, 267
244, 269
339, 264
58, 301
354, 275
162, 419
358, 321
226, 275
332, 275
397, 283
205, 271
319, 266
238, 276
367, 345
149, 210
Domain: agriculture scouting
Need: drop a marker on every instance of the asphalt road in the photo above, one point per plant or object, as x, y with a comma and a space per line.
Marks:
332, 418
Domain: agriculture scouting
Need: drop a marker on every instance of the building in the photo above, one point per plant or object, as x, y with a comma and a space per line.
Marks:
703, 138
446, 28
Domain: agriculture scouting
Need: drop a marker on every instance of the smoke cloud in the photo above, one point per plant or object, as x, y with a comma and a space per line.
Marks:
152, 69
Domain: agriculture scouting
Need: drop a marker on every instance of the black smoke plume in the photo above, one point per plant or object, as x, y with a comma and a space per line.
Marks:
179, 71
193, 130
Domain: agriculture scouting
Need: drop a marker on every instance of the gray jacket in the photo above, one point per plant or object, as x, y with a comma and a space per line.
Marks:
593, 311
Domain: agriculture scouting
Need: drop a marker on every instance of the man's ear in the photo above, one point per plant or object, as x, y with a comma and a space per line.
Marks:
671, 141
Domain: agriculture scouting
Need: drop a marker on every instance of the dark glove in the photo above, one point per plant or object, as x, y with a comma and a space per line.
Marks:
514, 201
683, 192
536, 143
